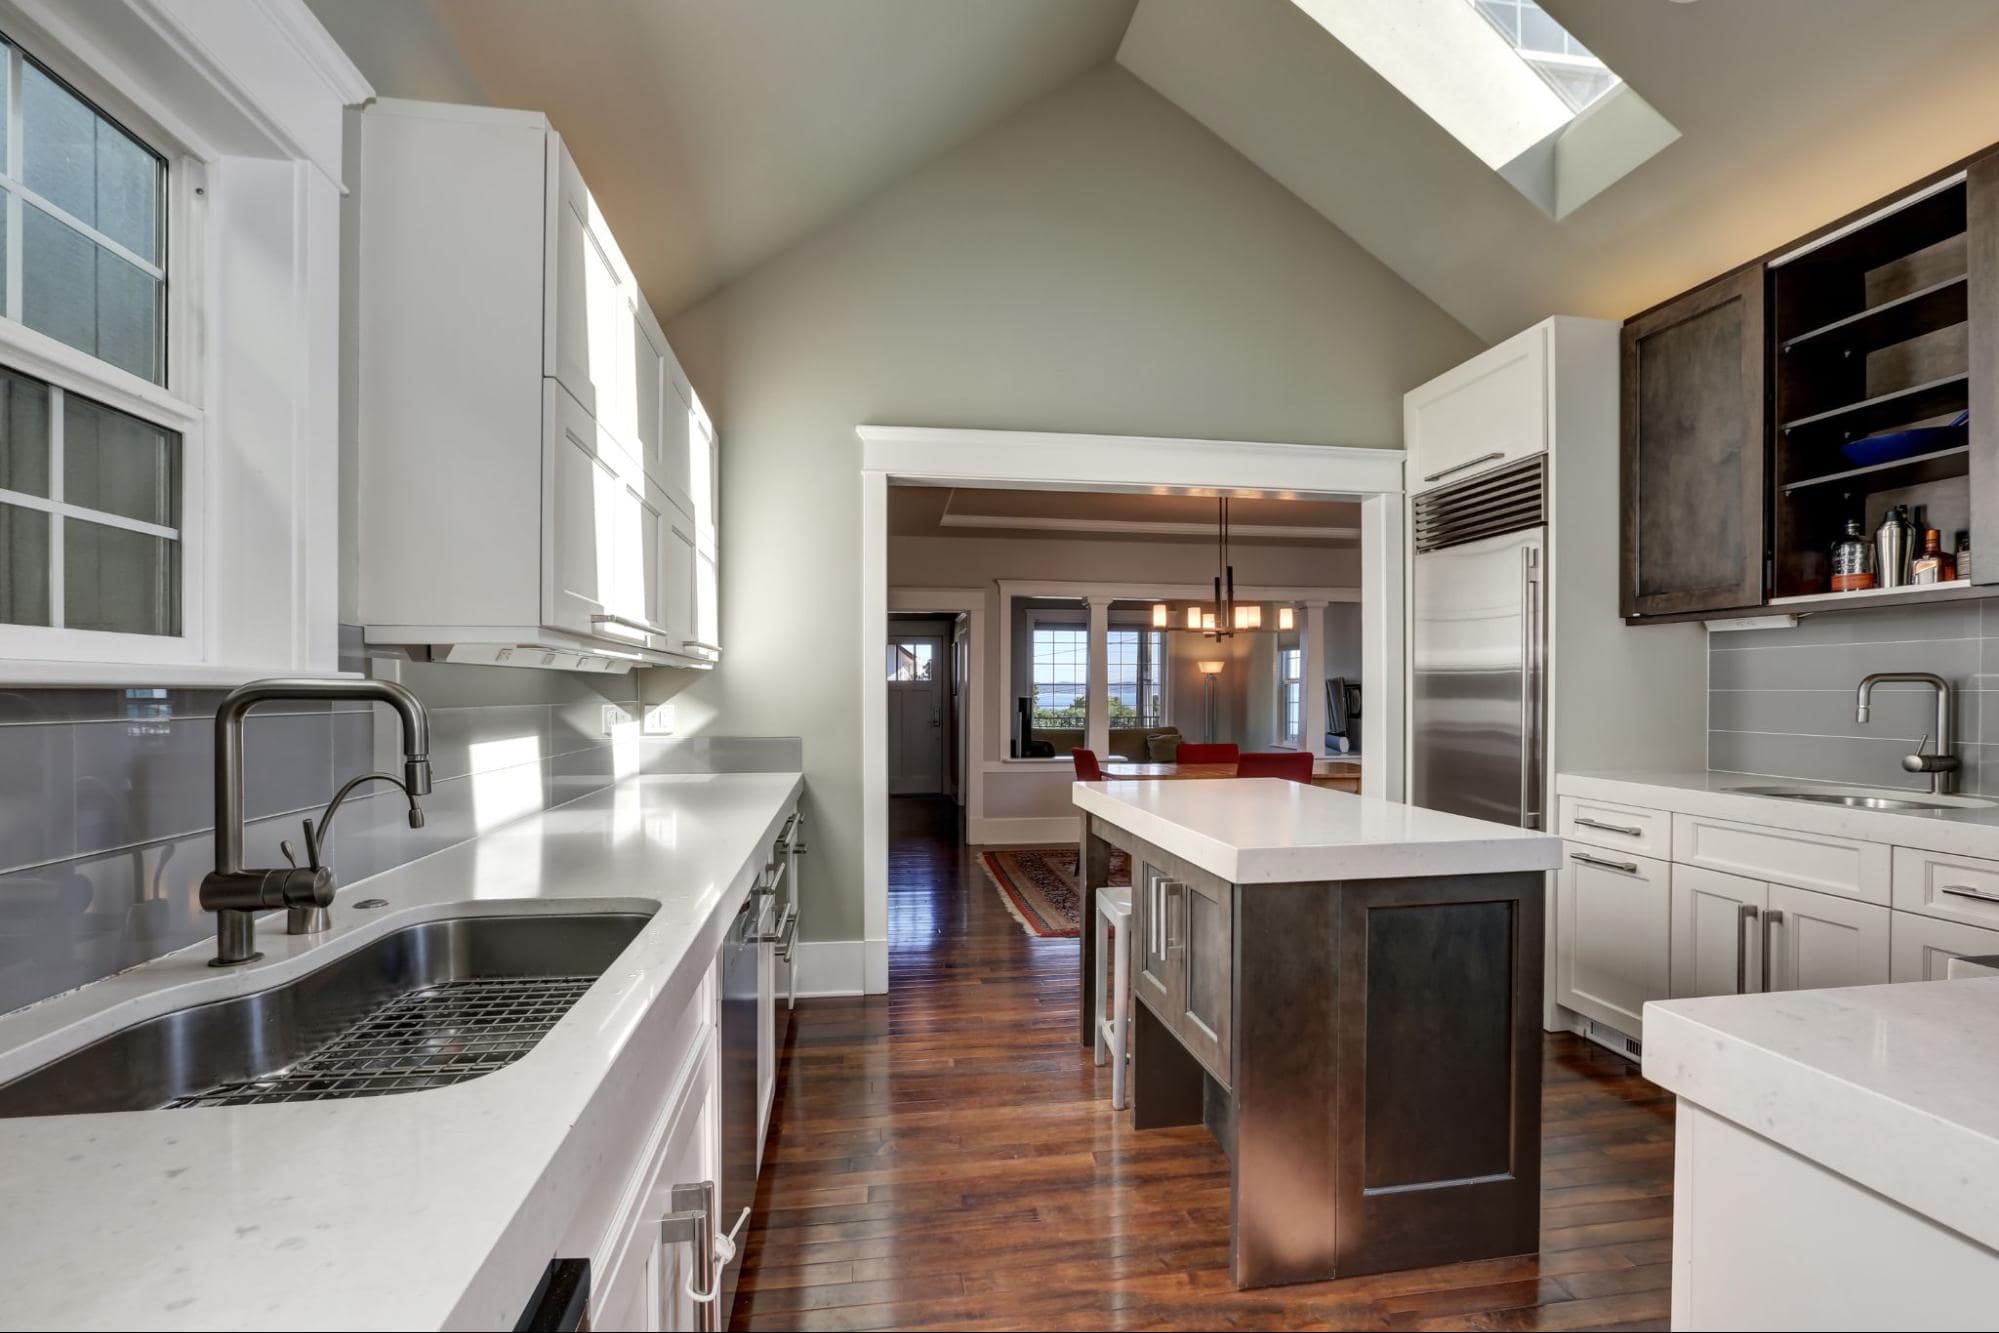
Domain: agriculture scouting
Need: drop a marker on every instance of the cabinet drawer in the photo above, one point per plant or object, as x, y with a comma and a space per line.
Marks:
1921, 947
1807, 860
1957, 888
1624, 828
1613, 935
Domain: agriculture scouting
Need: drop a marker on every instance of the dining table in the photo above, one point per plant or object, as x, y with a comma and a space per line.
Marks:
1334, 774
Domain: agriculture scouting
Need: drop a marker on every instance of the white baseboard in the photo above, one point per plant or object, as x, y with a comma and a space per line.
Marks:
1021, 832
874, 966
838, 967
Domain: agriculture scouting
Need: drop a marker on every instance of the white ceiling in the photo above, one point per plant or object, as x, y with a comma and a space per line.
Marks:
1791, 112
720, 132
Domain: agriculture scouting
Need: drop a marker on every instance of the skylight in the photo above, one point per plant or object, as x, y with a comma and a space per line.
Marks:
1509, 83
1550, 50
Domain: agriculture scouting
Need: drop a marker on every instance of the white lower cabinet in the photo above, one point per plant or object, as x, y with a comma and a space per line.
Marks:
1733, 935
1716, 932
1921, 947
645, 1286
1817, 940
1612, 936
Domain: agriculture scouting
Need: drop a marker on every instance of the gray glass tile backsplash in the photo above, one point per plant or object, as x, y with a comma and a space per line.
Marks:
1781, 701
106, 801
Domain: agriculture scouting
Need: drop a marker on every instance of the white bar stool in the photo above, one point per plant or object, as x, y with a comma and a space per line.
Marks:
1114, 966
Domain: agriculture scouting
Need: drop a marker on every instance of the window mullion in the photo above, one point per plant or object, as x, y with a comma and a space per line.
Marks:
57, 574
15, 161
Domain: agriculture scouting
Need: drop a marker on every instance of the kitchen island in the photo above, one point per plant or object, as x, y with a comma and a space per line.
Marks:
1346, 991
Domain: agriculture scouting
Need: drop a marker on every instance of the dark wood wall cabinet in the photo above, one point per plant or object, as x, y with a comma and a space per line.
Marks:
1854, 370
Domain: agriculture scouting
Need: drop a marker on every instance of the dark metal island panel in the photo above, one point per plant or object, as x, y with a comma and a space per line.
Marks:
1365, 1047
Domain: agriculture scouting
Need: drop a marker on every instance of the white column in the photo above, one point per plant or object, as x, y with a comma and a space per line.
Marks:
1097, 734
1312, 713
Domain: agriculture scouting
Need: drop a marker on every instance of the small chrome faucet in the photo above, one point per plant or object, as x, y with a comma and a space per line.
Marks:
235, 894
1941, 766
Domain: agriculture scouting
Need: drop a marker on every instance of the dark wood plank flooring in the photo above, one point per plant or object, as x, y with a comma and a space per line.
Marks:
946, 1156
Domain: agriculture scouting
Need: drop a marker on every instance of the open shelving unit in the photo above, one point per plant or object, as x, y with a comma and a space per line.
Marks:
1871, 336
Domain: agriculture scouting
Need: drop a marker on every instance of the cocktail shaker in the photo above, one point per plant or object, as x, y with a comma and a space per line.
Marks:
1894, 544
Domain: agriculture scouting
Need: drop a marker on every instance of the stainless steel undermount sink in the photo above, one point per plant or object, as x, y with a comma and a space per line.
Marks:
1867, 800
422, 1007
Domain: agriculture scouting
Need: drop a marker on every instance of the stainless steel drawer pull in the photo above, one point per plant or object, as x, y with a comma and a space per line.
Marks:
1628, 867
1584, 821
1966, 891
1771, 919
1744, 915
697, 643
788, 924
692, 1223
766, 883
1469, 462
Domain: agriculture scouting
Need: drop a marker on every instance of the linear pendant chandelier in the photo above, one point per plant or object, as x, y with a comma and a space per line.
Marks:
1226, 616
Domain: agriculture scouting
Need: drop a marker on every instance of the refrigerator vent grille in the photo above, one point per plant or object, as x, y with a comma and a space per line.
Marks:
1505, 499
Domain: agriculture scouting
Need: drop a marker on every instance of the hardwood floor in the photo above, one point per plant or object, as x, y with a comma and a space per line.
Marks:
946, 1156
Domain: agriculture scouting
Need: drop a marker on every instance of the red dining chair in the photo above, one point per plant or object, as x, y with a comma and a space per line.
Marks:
1295, 765
1206, 754
1087, 767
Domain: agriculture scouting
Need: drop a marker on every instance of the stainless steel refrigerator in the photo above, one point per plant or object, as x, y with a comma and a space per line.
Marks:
1478, 733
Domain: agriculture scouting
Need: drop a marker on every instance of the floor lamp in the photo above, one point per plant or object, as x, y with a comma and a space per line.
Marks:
1209, 670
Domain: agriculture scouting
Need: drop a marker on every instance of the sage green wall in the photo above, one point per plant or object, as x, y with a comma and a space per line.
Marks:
1098, 262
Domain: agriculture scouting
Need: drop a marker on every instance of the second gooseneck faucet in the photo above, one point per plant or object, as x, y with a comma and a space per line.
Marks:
235, 894
1942, 766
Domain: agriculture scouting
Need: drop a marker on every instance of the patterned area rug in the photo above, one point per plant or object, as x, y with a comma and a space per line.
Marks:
1038, 885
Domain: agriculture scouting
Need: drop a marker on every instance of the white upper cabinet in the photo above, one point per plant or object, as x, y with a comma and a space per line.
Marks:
535, 471
1490, 410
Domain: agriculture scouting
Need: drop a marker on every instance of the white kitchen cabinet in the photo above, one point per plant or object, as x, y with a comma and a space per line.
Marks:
645, 1283
1479, 415
1818, 940
489, 280
1921, 947
1612, 938
1956, 888
1717, 932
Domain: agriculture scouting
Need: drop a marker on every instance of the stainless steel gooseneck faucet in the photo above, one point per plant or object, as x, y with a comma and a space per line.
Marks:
1941, 766
235, 894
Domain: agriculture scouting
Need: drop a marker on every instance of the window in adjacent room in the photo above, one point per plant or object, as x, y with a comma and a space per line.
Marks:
1291, 695
1136, 664
1061, 658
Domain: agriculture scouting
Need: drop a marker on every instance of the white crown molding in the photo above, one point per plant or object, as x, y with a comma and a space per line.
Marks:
321, 54
1077, 461
1131, 527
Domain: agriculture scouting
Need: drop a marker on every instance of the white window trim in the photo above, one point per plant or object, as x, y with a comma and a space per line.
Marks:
174, 406
1287, 738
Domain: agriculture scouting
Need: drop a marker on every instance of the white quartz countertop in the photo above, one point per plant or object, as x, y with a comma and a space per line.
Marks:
1268, 831
424, 1210
1895, 1087
1969, 826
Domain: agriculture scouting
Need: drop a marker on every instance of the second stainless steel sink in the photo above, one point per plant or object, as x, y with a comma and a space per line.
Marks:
422, 1007
1865, 800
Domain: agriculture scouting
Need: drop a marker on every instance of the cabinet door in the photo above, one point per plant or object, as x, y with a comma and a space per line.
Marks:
653, 402
1693, 451
1613, 936
582, 497
1921, 947
1206, 939
1486, 412
1981, 235
1154, 902
1717, 932
587, 302
676, 576
1815, 940
644, 1283
679, 428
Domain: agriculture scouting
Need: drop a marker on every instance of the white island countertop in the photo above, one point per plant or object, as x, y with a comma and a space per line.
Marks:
1894, 1087
422, 1210
1268, 831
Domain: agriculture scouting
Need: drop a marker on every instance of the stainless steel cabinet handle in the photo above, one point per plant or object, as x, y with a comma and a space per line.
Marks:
1530, 689
697, 643
1628, 867
692, 1223
1584, 821
1744, 914
1966, 891
1771, 918
631, 622
1176, 925
787, 924
1469, 462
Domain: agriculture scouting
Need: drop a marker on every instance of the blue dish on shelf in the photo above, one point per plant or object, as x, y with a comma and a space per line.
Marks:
1892, 446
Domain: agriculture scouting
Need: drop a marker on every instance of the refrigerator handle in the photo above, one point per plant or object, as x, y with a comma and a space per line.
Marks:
1530, 687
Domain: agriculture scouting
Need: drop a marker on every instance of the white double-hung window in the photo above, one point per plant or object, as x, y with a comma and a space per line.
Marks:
99, 438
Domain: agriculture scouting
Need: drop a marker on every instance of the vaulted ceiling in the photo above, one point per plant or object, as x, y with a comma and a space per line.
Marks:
720, 132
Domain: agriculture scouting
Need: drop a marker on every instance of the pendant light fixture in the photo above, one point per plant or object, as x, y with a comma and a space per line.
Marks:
1226, 620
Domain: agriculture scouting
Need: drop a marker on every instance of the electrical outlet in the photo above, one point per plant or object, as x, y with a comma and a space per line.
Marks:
616, 719
658, 720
